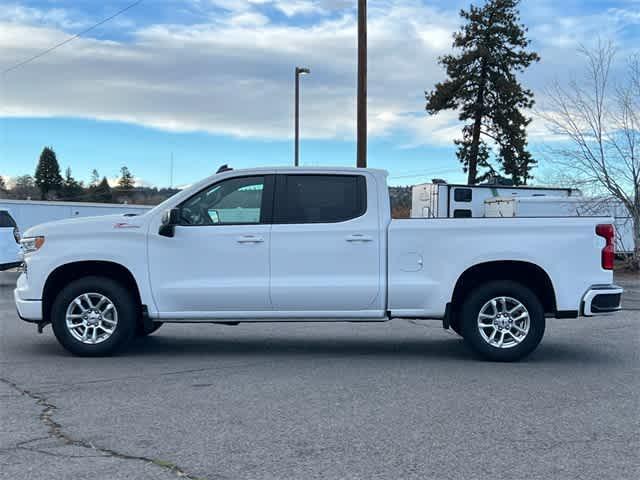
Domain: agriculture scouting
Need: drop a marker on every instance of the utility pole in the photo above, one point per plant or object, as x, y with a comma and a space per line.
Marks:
362, 85
299, 71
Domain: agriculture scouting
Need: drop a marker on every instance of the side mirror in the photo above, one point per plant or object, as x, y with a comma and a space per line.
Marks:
170, 218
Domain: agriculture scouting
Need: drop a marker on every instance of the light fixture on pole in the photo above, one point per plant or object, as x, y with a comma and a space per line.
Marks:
299, 71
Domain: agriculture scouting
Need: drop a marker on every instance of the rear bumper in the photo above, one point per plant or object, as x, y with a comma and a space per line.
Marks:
601, 299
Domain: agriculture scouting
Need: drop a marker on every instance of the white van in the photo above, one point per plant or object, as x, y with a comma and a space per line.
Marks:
10, 254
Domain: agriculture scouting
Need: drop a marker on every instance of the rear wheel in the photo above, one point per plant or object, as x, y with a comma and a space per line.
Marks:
502, 321
94, 316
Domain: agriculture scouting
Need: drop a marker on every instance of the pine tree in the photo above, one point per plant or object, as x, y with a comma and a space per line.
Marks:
102, 192
482, 85
126, 179
95, 178
47, 175
71, 188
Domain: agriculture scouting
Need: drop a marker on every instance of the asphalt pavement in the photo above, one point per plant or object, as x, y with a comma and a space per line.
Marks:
400, 400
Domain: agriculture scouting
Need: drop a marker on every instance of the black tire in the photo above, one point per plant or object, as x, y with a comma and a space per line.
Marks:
123, 301
473, 305
141, 332
455, 325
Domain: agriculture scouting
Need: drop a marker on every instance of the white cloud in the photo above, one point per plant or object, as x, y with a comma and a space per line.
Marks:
297, 7
52, 17
234, 74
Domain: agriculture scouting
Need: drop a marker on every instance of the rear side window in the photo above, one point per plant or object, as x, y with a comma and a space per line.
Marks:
6, 220
320, 198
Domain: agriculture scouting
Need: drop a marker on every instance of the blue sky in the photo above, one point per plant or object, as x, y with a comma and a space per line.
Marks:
211, 81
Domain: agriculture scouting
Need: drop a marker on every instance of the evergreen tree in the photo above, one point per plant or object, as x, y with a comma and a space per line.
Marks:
126, 179
71, 188
47, 175
483, 87
102, 192
95, 178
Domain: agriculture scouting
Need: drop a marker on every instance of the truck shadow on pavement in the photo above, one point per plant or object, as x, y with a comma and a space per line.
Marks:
421, 348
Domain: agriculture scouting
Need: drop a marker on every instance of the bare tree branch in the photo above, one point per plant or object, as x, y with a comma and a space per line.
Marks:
600, 126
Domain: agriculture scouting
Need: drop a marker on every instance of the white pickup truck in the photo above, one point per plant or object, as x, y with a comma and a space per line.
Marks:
311, 244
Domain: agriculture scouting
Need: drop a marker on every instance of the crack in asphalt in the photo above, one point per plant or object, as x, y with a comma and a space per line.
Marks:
54, 386
56, 432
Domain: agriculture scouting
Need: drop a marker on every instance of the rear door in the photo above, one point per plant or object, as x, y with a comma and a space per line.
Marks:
325, 246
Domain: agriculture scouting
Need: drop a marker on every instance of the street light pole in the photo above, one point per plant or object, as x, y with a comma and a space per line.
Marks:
299, 71
361, 161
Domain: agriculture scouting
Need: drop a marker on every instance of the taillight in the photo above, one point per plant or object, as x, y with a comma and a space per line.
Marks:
608, 232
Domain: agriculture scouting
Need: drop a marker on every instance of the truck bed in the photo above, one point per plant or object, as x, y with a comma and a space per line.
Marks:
428, 256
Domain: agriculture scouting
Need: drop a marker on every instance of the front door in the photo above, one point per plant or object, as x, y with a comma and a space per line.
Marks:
325, 247
217, 262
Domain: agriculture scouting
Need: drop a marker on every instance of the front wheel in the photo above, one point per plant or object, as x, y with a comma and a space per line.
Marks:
502, 321
94, 316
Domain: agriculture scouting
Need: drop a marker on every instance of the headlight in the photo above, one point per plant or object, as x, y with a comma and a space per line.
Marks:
31, 244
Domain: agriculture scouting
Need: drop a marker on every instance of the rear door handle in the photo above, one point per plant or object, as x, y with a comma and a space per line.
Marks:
249, 239
358, 237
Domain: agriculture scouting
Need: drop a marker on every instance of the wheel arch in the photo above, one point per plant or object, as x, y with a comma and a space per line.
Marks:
66, 273
526, 273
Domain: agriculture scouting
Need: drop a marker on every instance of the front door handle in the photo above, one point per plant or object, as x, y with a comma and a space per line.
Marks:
249, 239
358, 237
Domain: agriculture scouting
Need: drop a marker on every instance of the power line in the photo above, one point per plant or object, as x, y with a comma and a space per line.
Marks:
64, 42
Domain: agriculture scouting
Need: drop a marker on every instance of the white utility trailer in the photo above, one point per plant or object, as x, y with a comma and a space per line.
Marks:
28, 213
443, 200
567, 207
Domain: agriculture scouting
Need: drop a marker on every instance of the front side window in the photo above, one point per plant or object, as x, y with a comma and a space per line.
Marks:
320, 198
236, 201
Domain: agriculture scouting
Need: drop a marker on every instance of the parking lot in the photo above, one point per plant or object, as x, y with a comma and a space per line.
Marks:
400, 400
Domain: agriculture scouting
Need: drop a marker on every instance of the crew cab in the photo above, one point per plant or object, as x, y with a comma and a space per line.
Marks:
311, 244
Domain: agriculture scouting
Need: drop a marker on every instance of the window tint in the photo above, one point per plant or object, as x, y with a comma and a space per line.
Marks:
229, 202
320, 198
462, 194
6, 220
461, 213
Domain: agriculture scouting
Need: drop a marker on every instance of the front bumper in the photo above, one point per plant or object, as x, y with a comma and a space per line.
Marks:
601, 299
29, 310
